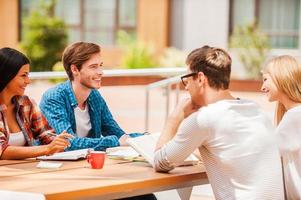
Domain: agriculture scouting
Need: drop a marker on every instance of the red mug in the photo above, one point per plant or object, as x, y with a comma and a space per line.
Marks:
96, 159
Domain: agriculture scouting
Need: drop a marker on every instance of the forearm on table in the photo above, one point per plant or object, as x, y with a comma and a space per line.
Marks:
169, 131
18, 152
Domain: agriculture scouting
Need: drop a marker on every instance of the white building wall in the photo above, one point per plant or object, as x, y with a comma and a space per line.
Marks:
206, 23
199, 22
195, 23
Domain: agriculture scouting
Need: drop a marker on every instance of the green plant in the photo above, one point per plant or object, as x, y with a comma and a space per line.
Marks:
136, 54
44, 37
172, 57
58, 67
252, 46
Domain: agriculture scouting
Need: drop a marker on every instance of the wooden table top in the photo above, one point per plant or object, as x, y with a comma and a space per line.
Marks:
76, 180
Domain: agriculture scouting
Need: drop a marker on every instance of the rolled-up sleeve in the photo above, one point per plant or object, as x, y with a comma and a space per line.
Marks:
3, 143
39, 124
3, 134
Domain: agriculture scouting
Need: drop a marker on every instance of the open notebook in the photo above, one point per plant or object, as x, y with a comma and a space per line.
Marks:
69, 155
145, 145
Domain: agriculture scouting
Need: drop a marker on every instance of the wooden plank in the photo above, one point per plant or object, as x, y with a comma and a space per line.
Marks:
77, 181
13, 162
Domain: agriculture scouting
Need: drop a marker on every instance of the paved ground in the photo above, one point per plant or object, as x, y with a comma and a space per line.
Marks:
127, 104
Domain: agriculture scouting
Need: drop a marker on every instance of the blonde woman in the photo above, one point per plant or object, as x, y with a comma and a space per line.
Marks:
282, 83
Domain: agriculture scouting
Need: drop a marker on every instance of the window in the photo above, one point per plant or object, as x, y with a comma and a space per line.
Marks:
93, 20
279, 19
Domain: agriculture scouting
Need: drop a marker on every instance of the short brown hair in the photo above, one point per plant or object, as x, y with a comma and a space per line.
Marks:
215, 63
78, 53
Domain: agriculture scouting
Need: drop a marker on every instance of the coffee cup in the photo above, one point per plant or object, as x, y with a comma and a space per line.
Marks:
96, 159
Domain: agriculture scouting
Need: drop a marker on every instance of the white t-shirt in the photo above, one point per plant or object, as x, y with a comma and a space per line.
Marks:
238, 147
289, 141
16, 139
82, 120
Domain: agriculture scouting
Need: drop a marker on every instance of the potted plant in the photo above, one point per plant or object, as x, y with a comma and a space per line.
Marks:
44, 37
136, 54
252, 47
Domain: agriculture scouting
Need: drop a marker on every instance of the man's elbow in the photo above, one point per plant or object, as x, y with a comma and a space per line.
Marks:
161, 164
158, 168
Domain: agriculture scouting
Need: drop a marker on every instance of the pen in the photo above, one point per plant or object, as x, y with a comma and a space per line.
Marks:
69, 135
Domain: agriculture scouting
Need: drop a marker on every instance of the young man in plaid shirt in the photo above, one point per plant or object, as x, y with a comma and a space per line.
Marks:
77, 106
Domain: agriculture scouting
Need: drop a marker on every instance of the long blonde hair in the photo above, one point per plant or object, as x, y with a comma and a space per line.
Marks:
286, 74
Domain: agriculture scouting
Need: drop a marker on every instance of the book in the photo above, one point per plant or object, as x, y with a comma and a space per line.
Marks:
145, 145
68, 155
122, 153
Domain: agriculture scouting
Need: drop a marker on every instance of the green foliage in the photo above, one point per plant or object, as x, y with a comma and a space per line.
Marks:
58, 67
137, 54
44, 38
172, 57
252, 46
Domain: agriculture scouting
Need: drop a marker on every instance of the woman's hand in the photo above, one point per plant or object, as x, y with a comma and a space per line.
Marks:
59, 144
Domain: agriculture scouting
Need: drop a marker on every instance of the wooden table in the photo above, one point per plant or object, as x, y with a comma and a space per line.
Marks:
76, 180
12, 162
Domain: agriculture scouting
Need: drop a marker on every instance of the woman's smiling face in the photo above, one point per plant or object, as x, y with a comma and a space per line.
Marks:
270, 88
17, 85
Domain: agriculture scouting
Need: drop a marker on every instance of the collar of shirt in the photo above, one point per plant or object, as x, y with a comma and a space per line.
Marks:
72, 97
71, 94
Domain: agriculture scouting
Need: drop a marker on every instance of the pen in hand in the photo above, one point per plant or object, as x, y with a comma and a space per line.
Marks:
58, 144
66, 136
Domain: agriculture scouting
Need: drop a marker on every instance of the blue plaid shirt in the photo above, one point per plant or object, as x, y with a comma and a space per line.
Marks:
58, 105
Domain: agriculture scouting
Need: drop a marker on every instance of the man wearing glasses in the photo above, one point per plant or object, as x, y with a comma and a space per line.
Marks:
234, 136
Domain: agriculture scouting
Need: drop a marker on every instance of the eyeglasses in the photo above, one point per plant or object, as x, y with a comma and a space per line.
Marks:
184, 78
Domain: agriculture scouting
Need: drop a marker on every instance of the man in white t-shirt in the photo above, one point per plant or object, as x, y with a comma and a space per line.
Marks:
234, 136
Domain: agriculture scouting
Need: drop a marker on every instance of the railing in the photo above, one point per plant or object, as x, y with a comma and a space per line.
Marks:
164, 72
166, 83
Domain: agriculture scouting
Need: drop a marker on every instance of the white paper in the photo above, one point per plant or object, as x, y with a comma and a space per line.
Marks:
10, 195
49, 165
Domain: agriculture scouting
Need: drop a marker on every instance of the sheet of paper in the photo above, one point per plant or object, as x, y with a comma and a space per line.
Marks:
49, 165
10, 195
